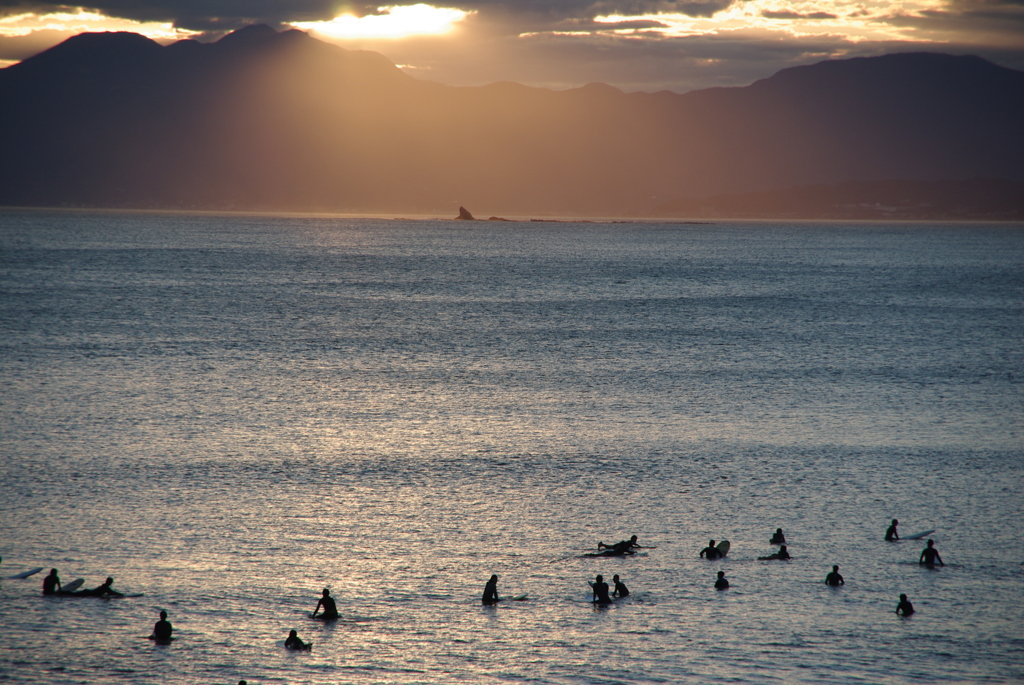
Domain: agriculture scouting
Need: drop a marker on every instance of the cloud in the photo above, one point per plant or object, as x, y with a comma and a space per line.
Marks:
632, 44
785, 14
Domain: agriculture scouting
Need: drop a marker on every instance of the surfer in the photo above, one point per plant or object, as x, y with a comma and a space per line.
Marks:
929, 555
778, 538
51, 583
293, 642
102, 591
904, 607
620, 588
721, 583
162, 630
890, 533
491, 591
711, 552
834, 579
781, 555
621, 547
600, 591
329, 607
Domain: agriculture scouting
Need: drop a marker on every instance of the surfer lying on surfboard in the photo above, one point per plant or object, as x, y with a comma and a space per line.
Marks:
621, 547
781, 555
102, 591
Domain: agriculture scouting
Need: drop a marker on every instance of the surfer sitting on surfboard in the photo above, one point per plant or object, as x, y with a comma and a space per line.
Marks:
491, 591
293, 642
930, 555
721, 583
102, 591
51, 583
620, 588
600, 591
778, 538
890, 533
330, 608
162, 630
711, 552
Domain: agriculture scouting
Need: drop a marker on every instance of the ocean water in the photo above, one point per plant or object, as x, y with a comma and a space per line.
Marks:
229, 413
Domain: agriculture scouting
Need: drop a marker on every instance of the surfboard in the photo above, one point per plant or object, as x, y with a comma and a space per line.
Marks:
73, 585
918, 536
611, 554
519, 598
723, 547
26, 574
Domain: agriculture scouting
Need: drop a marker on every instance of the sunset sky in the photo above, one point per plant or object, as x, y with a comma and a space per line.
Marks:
645, 45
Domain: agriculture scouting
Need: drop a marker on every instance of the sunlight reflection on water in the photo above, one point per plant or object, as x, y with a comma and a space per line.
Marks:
231, 413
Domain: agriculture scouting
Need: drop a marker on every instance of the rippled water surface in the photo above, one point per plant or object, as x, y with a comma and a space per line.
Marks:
229, 414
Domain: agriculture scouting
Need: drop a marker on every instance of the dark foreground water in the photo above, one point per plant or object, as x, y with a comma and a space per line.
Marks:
229, 414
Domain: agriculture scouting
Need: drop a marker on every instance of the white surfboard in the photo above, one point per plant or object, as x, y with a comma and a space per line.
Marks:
723, 547
26, 574
918, 536
73, 585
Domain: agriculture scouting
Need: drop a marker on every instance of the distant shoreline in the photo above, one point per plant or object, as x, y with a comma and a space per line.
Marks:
542, 219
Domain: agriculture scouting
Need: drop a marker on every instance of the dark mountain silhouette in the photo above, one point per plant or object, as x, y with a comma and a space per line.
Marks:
268, 120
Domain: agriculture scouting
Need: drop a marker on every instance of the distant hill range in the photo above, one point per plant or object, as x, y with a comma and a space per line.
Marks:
262, 120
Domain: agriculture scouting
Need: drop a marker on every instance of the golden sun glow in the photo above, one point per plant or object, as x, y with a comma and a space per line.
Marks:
392, 22
83, 21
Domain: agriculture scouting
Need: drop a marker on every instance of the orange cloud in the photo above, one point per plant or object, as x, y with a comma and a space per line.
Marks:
81, 21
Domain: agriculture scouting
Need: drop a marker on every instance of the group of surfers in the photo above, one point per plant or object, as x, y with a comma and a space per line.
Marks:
52, 586
929, 558
929, 555
329, 613
327, 610
603, 594
163, 630
598, 585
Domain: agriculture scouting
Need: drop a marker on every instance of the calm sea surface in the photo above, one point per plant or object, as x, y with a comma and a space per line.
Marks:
229, 414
